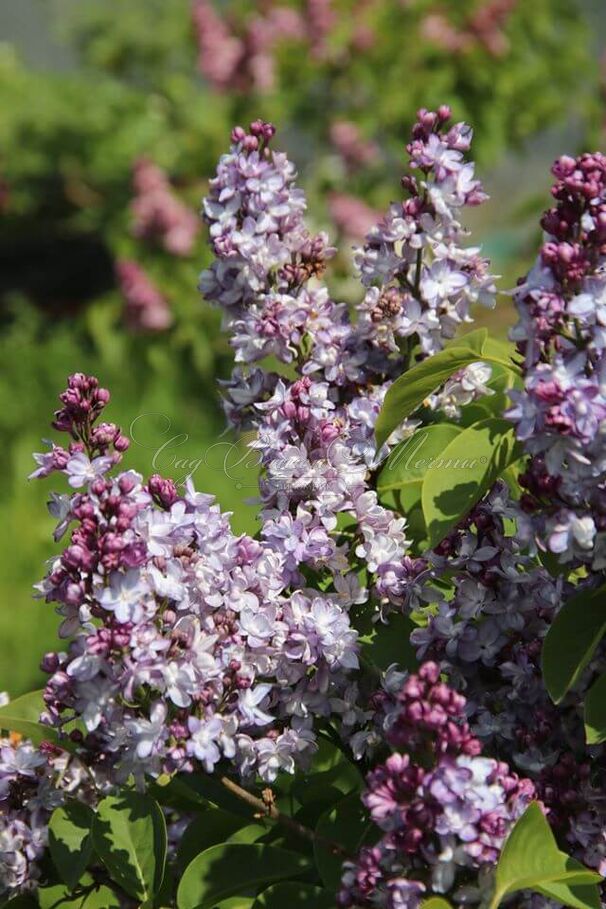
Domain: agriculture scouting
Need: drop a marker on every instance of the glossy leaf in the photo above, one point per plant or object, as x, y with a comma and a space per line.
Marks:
468, 467
409, 391
293, 895
230, 869
70, 841
572, 639
436, 902
129, 836
595, 713
408, 462
531, 859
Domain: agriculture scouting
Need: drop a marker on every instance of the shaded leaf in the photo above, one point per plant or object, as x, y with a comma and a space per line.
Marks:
294, 895
129, 836
347, 824
595, 712
408, 461
572, 639
233, 868
209, 828
70, 841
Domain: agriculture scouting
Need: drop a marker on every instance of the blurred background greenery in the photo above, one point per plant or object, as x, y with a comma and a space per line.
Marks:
98, 94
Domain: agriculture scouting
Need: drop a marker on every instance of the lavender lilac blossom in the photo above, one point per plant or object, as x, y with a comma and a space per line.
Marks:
444, 810
315, 433
560, 416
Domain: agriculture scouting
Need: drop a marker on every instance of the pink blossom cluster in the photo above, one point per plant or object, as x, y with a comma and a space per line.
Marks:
146, 309
443, 808
236, 61
484, 27
158, 214
190, 645
560, 416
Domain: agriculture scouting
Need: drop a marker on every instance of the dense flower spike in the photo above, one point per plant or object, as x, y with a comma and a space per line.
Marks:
560, 415
316, 434
192, 645
421, 279
443, 808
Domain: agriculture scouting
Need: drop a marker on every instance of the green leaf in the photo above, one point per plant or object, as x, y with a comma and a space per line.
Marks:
129, 835
346, 824
233, 868
23, 714
70, 841
294, 896
469, 466
385, 643
408, 462
595, 713
581, 896
410, 390
436, 902
209, 828
531, 859
572, 639
60, 897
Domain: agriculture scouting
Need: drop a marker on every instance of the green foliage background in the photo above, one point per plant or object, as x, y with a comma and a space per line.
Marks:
127, 85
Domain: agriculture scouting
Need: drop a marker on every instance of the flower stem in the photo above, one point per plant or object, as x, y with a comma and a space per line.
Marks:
267, 808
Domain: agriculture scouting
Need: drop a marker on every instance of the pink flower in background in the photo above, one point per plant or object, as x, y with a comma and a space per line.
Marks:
484, 27
146, 309
351, 215
321, 19
158, 214
232, 62
355, 150
219, 51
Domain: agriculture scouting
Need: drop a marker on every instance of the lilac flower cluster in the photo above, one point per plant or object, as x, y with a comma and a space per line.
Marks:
192, 645
33, 782
443, 807
560, 416
421, 281
487, 639
315, 432
158, 215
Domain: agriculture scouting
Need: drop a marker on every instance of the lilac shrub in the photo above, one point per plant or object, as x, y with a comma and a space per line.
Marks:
199, 662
